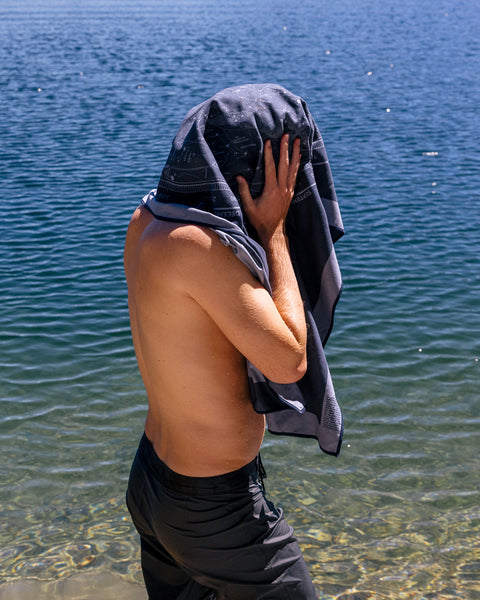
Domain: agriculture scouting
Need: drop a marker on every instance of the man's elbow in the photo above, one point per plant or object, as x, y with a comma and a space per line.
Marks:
291, 373
300, 370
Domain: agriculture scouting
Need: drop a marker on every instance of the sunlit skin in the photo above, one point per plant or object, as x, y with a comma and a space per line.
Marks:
196, 312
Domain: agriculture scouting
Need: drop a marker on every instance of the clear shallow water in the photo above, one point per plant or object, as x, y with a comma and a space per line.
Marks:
91, 96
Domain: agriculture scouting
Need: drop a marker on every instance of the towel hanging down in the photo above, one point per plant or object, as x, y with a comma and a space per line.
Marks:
219, 139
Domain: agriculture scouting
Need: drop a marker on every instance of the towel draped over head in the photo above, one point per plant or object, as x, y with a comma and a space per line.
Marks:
224, 137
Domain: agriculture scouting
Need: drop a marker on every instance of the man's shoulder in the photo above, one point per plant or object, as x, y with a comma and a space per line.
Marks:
180, 237
183, 250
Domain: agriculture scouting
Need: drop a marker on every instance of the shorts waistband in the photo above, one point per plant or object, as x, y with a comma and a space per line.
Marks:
197, 485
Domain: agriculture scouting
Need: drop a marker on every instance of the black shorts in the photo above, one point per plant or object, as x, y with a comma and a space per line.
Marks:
212, 537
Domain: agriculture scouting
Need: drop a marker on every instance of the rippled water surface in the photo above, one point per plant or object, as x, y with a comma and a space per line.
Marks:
92, 93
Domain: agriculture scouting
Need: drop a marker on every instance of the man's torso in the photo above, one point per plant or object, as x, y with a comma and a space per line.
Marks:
200, 418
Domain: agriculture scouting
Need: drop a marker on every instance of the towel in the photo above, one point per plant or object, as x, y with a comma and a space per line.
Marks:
224, 137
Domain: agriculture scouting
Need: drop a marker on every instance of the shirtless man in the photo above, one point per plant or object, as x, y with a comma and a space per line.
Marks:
196, 312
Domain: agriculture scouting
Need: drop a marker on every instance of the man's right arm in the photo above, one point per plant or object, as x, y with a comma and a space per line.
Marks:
267, 214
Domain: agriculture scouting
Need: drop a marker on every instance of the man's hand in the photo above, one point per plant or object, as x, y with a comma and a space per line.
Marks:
268, 212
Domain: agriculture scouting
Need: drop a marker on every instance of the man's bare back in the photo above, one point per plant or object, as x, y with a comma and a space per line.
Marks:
197, 312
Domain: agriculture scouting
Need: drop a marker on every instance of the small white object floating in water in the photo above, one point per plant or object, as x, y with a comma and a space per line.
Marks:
429, 153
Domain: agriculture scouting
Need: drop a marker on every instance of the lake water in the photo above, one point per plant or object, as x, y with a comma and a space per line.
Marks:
91, 96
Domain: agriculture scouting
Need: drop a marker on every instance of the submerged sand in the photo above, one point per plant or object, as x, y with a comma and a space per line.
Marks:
92, 586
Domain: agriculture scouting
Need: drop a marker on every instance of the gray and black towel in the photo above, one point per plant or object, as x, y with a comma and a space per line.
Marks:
219, 139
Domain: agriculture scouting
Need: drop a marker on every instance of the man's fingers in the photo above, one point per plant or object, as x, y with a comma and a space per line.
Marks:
275, 187
244, 192
270, 169
294, 165
283, 161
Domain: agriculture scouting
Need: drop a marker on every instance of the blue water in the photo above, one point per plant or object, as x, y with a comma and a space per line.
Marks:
91, 96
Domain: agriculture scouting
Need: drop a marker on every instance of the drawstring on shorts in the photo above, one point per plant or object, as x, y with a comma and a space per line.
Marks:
262, 474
